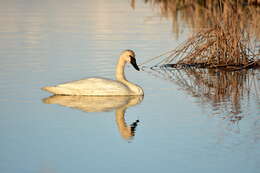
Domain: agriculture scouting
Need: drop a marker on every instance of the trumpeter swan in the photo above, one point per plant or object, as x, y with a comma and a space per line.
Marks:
102, 86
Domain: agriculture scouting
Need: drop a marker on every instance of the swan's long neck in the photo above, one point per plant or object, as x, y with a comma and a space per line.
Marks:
120, 76
120, 70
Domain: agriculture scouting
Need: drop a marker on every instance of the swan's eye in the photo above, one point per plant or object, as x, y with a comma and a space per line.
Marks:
131, 56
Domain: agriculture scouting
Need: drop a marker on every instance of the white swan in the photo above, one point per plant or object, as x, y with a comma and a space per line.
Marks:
102, 86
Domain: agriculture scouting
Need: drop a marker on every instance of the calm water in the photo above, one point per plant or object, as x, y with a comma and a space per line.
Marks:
178, 127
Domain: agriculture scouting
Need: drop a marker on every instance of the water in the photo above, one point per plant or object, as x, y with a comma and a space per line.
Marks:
50, 42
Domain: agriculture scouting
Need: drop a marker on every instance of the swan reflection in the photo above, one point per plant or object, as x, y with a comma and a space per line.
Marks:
102, 104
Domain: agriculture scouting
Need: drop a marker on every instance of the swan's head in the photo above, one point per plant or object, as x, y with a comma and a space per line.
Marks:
129, 56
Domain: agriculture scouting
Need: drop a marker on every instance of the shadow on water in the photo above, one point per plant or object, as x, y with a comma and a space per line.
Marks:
102, 104
228, 94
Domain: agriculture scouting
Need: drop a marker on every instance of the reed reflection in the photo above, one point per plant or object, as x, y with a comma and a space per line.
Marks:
227, 93
102, 104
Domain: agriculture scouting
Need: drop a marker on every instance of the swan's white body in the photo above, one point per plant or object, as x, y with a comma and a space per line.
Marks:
102, 86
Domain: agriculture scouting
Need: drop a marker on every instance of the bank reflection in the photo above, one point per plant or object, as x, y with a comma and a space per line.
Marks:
102, 104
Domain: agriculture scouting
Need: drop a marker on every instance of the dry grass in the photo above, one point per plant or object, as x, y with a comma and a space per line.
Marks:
200, 14
215, 48
226, 33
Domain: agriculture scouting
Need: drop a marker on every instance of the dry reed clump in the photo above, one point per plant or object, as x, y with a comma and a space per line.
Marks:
226, 33
217, 48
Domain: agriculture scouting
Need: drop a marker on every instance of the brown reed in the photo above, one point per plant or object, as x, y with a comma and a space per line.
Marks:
198, 14
226, 33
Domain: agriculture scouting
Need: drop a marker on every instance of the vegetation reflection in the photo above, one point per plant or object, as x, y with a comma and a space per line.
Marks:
223, 91
102, 104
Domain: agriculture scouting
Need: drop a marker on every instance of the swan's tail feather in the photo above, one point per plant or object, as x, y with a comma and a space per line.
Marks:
54, 90
57, 90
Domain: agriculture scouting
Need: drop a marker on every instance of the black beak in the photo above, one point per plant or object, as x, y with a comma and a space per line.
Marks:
133, 62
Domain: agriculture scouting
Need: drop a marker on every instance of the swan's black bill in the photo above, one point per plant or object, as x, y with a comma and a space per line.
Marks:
133, 62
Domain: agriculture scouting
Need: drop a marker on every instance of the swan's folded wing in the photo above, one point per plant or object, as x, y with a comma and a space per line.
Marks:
90, 86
